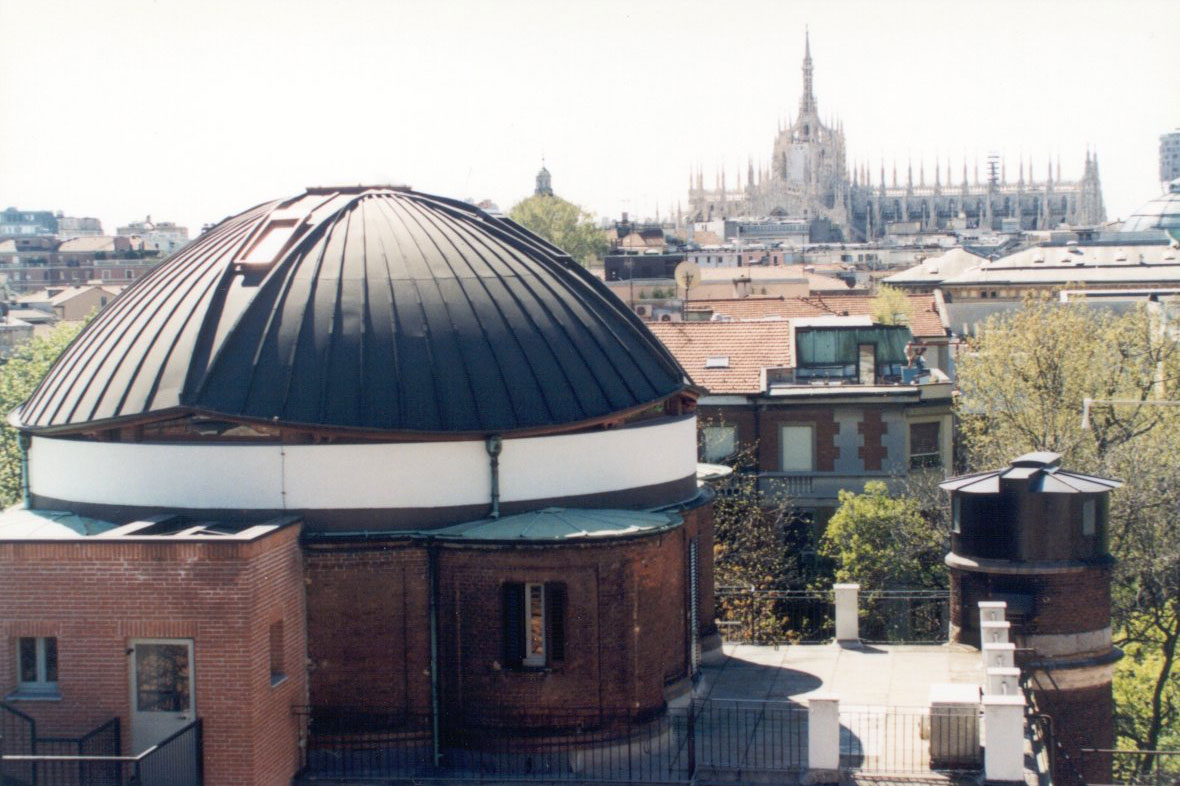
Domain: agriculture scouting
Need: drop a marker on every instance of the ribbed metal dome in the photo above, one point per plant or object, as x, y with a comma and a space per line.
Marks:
361, 308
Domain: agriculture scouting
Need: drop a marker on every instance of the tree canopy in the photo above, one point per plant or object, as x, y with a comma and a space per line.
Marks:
884, 542
19, 375
891, 306
563, 224
1024, 381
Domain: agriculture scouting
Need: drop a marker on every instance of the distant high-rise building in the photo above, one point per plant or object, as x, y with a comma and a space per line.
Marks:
1169, 157
808, 178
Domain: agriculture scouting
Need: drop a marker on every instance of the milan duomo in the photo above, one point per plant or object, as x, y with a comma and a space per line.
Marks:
808, 177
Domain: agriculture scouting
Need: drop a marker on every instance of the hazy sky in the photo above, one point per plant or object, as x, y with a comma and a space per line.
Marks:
192, 110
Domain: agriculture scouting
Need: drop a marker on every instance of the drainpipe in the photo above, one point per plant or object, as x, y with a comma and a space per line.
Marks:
24, 441
432, 589
494, 444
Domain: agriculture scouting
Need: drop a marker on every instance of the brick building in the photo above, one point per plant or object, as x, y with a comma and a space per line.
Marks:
358, 454
828, 403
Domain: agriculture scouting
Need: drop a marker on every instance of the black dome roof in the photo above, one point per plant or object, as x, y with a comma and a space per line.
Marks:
362, 308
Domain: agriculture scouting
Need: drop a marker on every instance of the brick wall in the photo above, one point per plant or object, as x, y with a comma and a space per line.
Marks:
1062, 602
626, 627
872, 452
368, 631
1083, 718
96, 596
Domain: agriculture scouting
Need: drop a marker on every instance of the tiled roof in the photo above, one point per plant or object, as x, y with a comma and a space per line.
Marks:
925, 321
747, 347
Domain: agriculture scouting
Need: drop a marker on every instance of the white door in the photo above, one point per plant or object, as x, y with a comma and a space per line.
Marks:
162, 696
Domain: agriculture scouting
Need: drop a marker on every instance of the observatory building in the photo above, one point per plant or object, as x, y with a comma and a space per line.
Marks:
362, 452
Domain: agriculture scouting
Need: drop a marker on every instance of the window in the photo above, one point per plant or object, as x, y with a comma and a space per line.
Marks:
796, 449
1089, 518
719, 442
956, 514
533, 624
924, 447
278, 671
37, 664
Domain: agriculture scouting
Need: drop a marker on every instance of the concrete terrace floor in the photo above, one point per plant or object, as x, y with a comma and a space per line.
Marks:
872, 675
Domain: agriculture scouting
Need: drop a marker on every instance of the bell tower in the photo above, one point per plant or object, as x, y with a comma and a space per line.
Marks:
1034, 535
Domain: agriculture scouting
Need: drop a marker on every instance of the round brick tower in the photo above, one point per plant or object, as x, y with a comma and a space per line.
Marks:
1035, 536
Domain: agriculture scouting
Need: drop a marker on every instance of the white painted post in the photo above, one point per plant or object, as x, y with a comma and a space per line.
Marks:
1003, 755
994, 632
1003, 682
847, 612
999, 655
823, 739
993, 610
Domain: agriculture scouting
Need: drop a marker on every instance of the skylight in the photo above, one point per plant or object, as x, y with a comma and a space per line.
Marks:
719, 361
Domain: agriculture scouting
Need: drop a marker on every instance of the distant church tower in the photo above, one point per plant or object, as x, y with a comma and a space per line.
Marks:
544, 184
1035, 536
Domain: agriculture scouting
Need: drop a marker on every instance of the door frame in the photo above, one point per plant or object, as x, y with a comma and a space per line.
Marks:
133, 686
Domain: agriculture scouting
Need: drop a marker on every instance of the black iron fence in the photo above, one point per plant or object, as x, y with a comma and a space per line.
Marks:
722, 739
1133, 767
905, 616
750, 616
590, 744
909, 739
93, 760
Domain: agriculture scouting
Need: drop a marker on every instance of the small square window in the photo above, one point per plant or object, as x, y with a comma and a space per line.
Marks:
718, 442
37, 664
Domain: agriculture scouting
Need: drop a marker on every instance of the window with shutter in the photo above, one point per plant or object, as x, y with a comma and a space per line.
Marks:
533, 623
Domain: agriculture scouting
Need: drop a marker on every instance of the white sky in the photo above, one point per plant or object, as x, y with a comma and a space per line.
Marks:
192, 110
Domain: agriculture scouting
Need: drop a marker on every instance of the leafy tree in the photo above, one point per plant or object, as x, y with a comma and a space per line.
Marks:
891, 306
884, 542
563, 224
19, 375
1023, 384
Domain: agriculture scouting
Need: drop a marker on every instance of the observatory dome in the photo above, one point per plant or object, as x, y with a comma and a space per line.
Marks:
365, 308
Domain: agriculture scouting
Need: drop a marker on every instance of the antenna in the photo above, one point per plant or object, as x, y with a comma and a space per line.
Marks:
687, 273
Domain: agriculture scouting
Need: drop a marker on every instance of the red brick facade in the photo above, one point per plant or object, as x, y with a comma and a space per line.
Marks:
96, 596
872, 428
626, 634
1067, 602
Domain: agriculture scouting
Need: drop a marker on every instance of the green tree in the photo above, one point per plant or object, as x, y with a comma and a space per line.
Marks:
891, 306
19, 375
1023, 384
563, 224
884, 542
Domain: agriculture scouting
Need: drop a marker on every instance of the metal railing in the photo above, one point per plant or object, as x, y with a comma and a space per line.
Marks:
905, 616
749, 616
174, 761
576, 744
1133, 767
59, 757
909, 740
721, 739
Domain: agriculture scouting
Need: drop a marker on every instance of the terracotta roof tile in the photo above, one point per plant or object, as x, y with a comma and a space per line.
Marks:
748, 347
925, 321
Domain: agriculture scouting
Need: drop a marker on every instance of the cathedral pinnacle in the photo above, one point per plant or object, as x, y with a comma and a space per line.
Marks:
807, 101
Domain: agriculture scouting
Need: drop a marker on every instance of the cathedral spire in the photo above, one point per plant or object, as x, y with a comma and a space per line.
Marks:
807, 101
